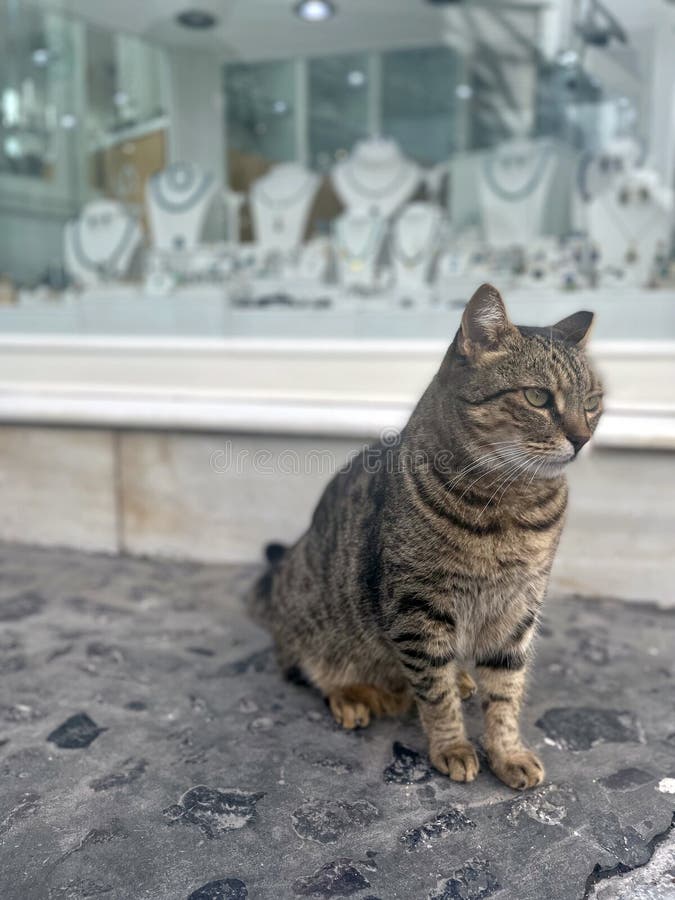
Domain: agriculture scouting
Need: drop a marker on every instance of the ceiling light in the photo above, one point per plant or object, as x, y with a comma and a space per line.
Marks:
13, 147
568, 58
356, 78
197, 19
464, 91
40, 56
120, 98
315, 10
279, 107
68, 121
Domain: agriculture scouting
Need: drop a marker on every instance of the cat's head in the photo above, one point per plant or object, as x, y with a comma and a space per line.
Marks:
525, 398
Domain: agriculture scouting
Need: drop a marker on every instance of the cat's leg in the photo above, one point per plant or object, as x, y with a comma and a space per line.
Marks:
501, 680
353, 705
440, 707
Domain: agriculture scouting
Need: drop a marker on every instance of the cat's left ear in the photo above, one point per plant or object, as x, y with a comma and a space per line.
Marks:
574, 329
484, 322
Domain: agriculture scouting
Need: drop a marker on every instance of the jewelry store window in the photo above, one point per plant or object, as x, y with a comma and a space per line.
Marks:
335, 184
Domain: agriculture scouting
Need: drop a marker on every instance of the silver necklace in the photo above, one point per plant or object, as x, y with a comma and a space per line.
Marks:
519, 193
378, 192
279, 205
633, 238
410, 260
108, 266
356, 258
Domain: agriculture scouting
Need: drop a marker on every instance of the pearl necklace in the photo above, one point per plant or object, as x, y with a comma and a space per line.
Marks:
179, 177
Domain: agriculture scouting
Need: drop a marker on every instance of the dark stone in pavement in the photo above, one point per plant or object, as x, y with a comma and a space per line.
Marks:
187, 775
223, 889
214, 811
472, 882
336, 879
581, 728
408, 767
626, 779
76, 732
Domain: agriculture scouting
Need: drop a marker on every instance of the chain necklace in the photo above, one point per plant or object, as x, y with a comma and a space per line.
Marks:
633, 241
356, 259
180, 177
410, 260
279, 205
107, 266
377, 193
514, 194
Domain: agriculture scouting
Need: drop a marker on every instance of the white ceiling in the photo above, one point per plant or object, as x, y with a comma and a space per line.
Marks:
258, 29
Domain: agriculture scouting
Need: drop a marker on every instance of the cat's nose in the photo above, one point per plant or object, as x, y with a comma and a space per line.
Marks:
577, 441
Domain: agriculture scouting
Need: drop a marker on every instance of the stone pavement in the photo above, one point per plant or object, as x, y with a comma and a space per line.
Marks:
149, 750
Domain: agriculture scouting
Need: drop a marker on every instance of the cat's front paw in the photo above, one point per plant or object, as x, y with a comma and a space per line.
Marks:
520, 769
458, 760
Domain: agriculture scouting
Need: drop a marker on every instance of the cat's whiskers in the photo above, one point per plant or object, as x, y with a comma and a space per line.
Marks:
511, 476
507, 445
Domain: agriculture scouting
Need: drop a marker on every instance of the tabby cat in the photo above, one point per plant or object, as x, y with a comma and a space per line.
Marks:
437, 547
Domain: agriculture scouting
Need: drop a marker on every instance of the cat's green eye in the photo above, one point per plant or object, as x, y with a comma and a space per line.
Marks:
537, 396
591, 404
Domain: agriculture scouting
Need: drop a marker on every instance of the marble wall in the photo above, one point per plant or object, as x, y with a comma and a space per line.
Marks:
221, 498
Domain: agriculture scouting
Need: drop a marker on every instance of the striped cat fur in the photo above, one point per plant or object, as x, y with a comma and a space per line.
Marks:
433, 551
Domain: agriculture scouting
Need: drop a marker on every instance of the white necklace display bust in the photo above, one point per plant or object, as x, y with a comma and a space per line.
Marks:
376, 178
414, 242
178, 200
630, 225
514, 181
99, 245
359, 236
281, 202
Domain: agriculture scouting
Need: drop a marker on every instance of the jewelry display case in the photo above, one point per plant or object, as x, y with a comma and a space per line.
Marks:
211, 189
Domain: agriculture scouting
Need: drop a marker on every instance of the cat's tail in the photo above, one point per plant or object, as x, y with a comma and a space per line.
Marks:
260, 596
275, 552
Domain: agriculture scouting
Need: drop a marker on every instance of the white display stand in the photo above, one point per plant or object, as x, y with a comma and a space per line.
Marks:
281, 202
376, 178
630, 225
359, 237
99, 245
314, 260
414, 243
178, 200
513, 184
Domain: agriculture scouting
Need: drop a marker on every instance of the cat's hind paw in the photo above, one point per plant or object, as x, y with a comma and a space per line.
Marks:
466, 685
352, 706
348, 711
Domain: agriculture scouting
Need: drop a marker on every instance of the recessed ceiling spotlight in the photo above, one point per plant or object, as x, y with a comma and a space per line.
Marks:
356, 78
314, 10
568, 58
40, 56
68, 121
464, 91
197, 19
280, 107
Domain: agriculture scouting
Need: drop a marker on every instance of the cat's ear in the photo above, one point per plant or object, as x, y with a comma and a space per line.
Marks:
574, 329
484, 322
